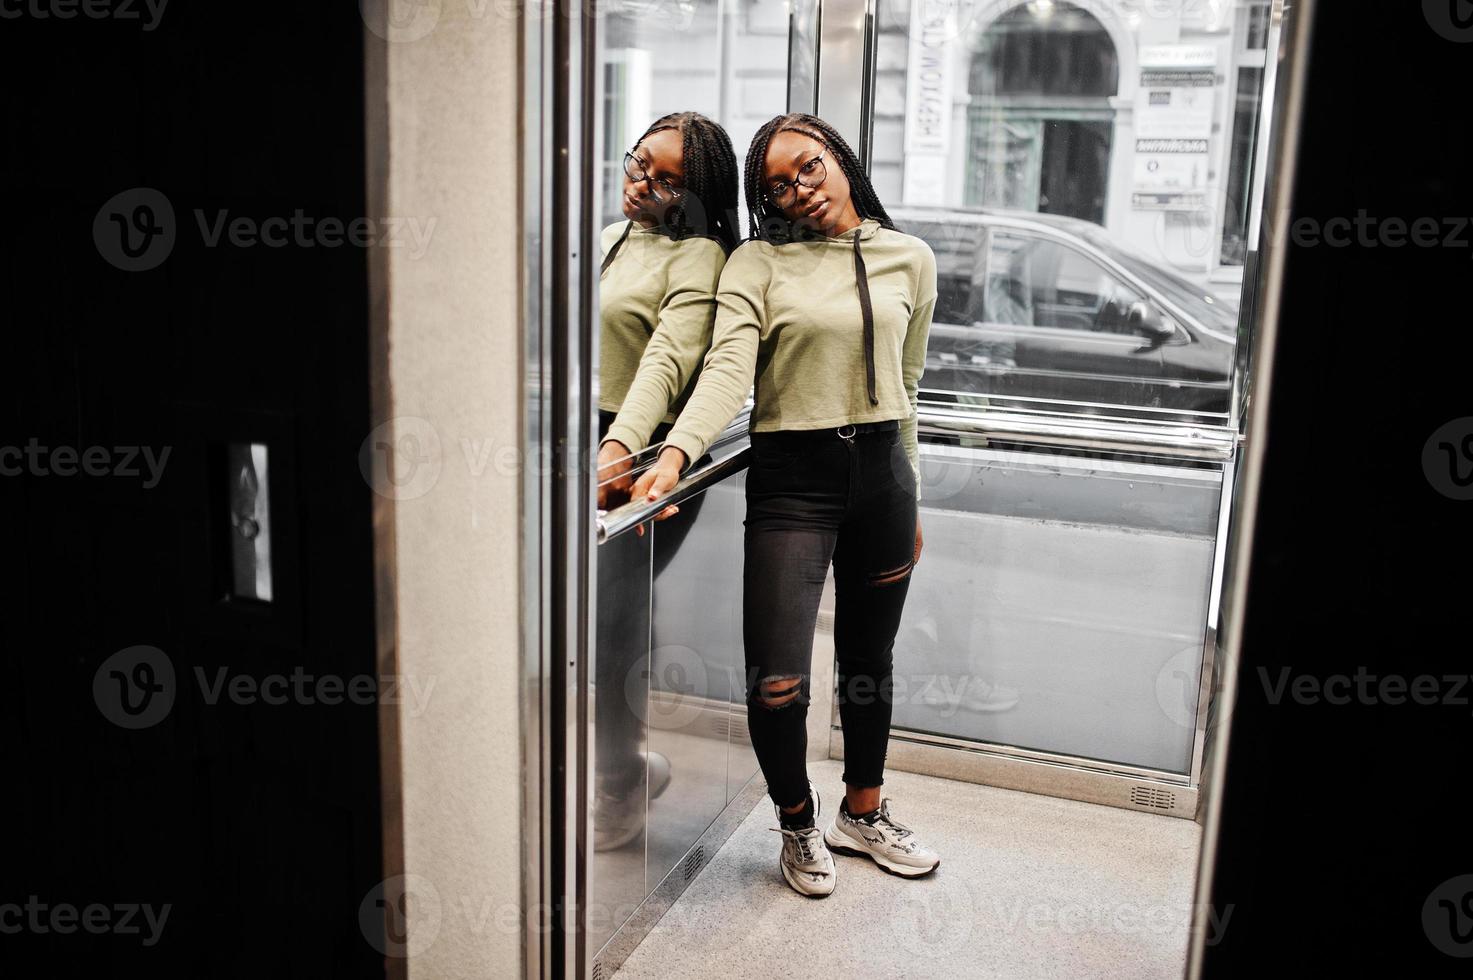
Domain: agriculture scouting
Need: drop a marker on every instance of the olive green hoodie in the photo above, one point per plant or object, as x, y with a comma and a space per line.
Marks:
657, 300
792, 317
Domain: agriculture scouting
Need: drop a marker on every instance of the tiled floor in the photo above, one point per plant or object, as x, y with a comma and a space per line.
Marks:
1029, 886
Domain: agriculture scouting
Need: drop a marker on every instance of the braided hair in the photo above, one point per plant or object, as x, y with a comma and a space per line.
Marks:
764, 219
709, 206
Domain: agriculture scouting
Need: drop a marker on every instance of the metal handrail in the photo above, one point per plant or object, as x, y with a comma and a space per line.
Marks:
625, 516
615, 522
1182, 440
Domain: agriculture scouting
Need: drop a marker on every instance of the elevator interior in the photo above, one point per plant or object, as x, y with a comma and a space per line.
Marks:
1061, 634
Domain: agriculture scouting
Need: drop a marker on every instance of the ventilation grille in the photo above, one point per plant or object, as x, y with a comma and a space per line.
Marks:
598, 970
1153, 797
693, 861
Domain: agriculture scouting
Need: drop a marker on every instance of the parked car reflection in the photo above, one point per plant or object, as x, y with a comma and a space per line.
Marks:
1044, 306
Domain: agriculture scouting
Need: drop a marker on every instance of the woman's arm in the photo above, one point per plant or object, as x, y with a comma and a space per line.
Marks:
730, 365
913, 354
680, 339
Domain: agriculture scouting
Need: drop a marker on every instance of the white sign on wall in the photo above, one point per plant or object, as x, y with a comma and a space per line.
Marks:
928, 100
1173, 123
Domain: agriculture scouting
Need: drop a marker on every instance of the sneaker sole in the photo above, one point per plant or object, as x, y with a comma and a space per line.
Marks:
898, 870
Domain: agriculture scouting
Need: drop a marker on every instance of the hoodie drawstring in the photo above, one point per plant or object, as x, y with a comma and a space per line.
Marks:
862, 281
609, 259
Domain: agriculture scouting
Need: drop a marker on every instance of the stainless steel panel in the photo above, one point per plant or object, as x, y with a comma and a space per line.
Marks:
1080, 632
618, 703
695, 636
842, 78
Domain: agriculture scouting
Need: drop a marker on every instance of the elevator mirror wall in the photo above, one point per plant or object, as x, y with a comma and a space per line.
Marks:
1089, 178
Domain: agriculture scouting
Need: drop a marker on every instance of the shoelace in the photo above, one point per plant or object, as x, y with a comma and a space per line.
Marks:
802, 838
902, 829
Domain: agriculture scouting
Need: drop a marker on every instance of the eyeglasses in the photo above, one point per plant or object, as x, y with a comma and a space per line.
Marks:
661, 190
810, 175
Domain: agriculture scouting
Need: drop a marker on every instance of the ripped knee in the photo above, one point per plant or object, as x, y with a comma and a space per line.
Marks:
779, 692
894, 575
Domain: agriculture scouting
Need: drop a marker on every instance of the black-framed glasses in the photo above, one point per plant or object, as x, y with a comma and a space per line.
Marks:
810, 175
661, 190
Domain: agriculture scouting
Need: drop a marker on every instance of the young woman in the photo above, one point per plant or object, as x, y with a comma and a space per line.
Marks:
657, 300
828, 309
658, 282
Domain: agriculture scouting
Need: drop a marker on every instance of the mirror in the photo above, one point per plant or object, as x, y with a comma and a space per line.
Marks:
1083, 176
683, 85
1151, 323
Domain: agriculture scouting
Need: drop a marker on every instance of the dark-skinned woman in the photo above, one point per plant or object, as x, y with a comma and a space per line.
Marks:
657, 288
827, 310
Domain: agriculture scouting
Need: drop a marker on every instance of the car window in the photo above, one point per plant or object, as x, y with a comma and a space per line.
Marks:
959, 265
1038, 282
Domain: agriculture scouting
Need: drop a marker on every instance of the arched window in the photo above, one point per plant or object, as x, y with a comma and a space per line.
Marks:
1040, 122
1045, 49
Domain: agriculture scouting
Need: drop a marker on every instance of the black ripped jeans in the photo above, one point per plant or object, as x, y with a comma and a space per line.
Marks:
815, 497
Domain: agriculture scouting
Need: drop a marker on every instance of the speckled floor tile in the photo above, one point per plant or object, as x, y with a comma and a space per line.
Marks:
1029, 886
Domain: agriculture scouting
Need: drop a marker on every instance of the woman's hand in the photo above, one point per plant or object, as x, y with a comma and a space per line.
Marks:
918, 542
614, 465
657, 481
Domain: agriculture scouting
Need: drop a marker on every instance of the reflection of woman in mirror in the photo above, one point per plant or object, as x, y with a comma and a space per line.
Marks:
828, 309
657, 300
657, 285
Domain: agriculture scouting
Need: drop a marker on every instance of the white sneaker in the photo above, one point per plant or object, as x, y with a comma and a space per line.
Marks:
618, 818
806, 862
891, 844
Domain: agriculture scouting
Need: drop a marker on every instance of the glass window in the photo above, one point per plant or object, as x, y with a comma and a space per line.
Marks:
1116, 122
1036, 282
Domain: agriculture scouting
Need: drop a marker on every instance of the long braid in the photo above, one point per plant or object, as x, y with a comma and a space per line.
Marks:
764, 219
709, 207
